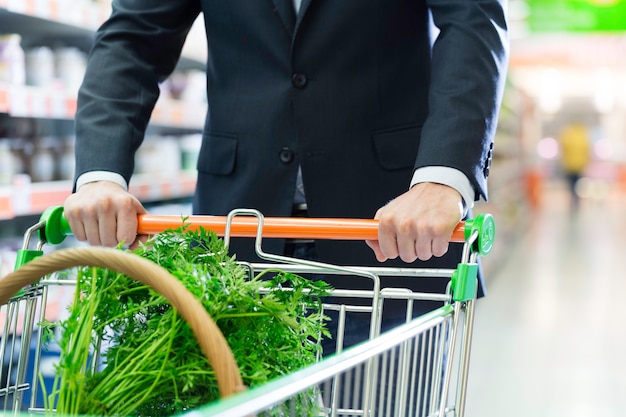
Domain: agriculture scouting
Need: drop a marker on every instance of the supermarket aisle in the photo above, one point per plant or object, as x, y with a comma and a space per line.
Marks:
550, 339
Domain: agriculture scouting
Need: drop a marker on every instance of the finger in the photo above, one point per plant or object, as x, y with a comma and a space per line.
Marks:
92, 231
107, 226
127, 221
440, 247
423, 248
141, 239
78, 230
373, 244
126, 227
75, 223
387, 241
406, 248
74, 220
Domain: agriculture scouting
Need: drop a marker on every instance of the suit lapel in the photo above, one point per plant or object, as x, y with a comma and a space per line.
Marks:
285, 10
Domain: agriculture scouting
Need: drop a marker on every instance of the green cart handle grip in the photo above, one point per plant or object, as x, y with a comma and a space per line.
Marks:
485, 226
56, 227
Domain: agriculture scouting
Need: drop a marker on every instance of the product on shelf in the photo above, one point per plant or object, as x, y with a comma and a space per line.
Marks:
40, 66
158, 155
43, 161
66, 160
189, 150
12, 60
70, 65
7, 162
8, 256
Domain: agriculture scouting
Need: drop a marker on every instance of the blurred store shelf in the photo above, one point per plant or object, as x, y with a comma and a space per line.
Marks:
25, 199
37, 102
77, 20
82, 14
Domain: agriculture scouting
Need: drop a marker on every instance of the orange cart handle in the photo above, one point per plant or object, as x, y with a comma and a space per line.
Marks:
276, 227
56, 228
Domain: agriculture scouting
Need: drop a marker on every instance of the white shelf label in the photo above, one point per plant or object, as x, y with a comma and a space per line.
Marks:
39, 106
19, 103
21, 201
16, 6
43, 8
57, 106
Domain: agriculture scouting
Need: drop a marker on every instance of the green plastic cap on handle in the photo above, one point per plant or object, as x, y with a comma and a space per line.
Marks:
485, 225
56, 226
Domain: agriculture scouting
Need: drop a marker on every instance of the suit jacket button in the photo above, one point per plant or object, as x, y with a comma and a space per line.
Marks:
286, 155
299, 80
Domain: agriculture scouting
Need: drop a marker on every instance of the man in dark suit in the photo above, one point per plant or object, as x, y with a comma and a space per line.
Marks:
381, 119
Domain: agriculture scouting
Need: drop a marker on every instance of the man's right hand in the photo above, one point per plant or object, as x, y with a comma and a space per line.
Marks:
104, 214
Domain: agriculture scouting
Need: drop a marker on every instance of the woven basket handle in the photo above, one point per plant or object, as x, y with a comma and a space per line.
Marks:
208, 335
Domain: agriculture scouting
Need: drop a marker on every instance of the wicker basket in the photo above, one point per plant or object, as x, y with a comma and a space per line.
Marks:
208, 335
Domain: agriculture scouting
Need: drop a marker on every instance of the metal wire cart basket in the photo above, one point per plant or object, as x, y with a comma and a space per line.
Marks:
418, 368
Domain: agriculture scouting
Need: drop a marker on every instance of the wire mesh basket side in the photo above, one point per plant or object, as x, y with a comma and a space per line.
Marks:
18, 320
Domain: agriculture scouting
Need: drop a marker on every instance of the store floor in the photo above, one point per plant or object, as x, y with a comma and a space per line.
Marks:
550, 338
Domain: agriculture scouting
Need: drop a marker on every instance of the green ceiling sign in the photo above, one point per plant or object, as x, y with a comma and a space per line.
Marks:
577, 15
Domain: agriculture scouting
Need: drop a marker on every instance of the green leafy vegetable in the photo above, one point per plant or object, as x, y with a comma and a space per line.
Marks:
152, 365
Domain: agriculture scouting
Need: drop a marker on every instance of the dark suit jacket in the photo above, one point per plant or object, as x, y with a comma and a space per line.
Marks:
349, 90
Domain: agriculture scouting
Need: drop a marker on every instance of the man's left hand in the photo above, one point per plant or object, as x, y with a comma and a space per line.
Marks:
418, 224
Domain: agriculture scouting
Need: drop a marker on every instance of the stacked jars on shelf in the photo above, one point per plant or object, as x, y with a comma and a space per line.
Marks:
12, 60
42, 159
47, 71
42, 66
61, 69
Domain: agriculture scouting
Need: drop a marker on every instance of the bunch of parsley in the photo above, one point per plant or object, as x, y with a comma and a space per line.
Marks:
151, 364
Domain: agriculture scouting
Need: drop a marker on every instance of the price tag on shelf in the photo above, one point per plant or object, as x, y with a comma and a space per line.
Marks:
155, 191
178, 116
21, 198
39, 106
104, 11
175, 187
42, 8
163, 113
53, 6
166, 190
98, 13
4, 100
70, 106
194, 115
157, 114
74, 13
65, 10
19, 102
57, 106
19, 6
89, 17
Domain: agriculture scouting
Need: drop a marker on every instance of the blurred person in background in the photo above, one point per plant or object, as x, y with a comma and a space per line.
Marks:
575, 151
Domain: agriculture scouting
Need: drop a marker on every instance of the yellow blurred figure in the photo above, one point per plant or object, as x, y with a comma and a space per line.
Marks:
575, 155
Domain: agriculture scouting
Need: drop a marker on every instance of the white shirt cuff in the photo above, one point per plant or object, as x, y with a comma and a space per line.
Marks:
447, 176
93, 176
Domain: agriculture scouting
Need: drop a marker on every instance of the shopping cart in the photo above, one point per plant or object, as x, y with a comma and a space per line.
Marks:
419, 368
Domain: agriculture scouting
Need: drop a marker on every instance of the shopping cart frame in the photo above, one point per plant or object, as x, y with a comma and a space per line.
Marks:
460, 298
477, 236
